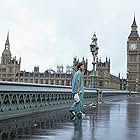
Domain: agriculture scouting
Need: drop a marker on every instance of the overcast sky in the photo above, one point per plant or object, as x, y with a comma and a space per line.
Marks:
45, 33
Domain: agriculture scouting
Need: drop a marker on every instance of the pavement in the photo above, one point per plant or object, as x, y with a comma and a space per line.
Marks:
111, 120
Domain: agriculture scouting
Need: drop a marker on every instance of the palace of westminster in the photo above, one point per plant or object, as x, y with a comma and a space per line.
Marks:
10, 69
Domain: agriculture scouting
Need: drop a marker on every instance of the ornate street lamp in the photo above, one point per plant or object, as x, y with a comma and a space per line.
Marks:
127, 74
128, 80
136, 84
94, 50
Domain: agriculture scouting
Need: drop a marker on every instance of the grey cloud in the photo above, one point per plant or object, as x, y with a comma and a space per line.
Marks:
75, 22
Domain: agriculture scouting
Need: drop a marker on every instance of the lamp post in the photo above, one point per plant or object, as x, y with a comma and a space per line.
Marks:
127, 80
136, 84
94, 50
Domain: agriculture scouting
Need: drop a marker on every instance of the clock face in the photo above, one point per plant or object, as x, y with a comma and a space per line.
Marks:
133, 46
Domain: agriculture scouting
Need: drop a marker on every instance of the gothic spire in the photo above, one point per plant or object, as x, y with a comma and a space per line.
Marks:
134, 32
6, 55
7, 43
134, 23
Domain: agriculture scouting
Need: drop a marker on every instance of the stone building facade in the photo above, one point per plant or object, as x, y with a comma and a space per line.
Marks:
10, 71
133, 58
9, 66
105, 78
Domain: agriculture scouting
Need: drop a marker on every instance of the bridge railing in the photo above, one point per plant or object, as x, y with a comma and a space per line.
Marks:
19, 99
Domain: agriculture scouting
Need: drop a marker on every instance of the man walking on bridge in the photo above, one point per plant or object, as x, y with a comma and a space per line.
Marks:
78, 91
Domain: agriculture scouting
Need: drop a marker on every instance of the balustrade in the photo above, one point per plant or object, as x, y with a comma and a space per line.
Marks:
19, 99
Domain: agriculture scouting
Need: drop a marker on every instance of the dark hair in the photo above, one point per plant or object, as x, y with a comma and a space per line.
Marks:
79, 65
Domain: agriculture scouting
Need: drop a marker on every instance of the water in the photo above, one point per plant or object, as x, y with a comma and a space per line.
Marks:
118, 120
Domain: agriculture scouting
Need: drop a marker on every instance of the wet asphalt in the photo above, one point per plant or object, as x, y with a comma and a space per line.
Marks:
111, 120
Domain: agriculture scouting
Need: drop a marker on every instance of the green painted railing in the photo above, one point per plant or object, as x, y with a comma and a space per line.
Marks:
19, 99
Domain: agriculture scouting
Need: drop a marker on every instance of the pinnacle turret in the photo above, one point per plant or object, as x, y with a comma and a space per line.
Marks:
134, 32
7, 43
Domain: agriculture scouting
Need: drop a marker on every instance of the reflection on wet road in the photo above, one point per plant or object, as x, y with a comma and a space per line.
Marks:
118, 120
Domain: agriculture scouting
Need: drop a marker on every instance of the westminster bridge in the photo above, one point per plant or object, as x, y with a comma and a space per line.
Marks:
33, 111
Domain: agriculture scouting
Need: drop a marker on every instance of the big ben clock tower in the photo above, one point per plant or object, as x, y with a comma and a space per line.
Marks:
133, 59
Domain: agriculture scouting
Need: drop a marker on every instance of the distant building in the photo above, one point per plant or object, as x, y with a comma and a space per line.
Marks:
10, 71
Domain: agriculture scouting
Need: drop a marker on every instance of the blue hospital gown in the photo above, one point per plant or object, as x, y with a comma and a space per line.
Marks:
77, 107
